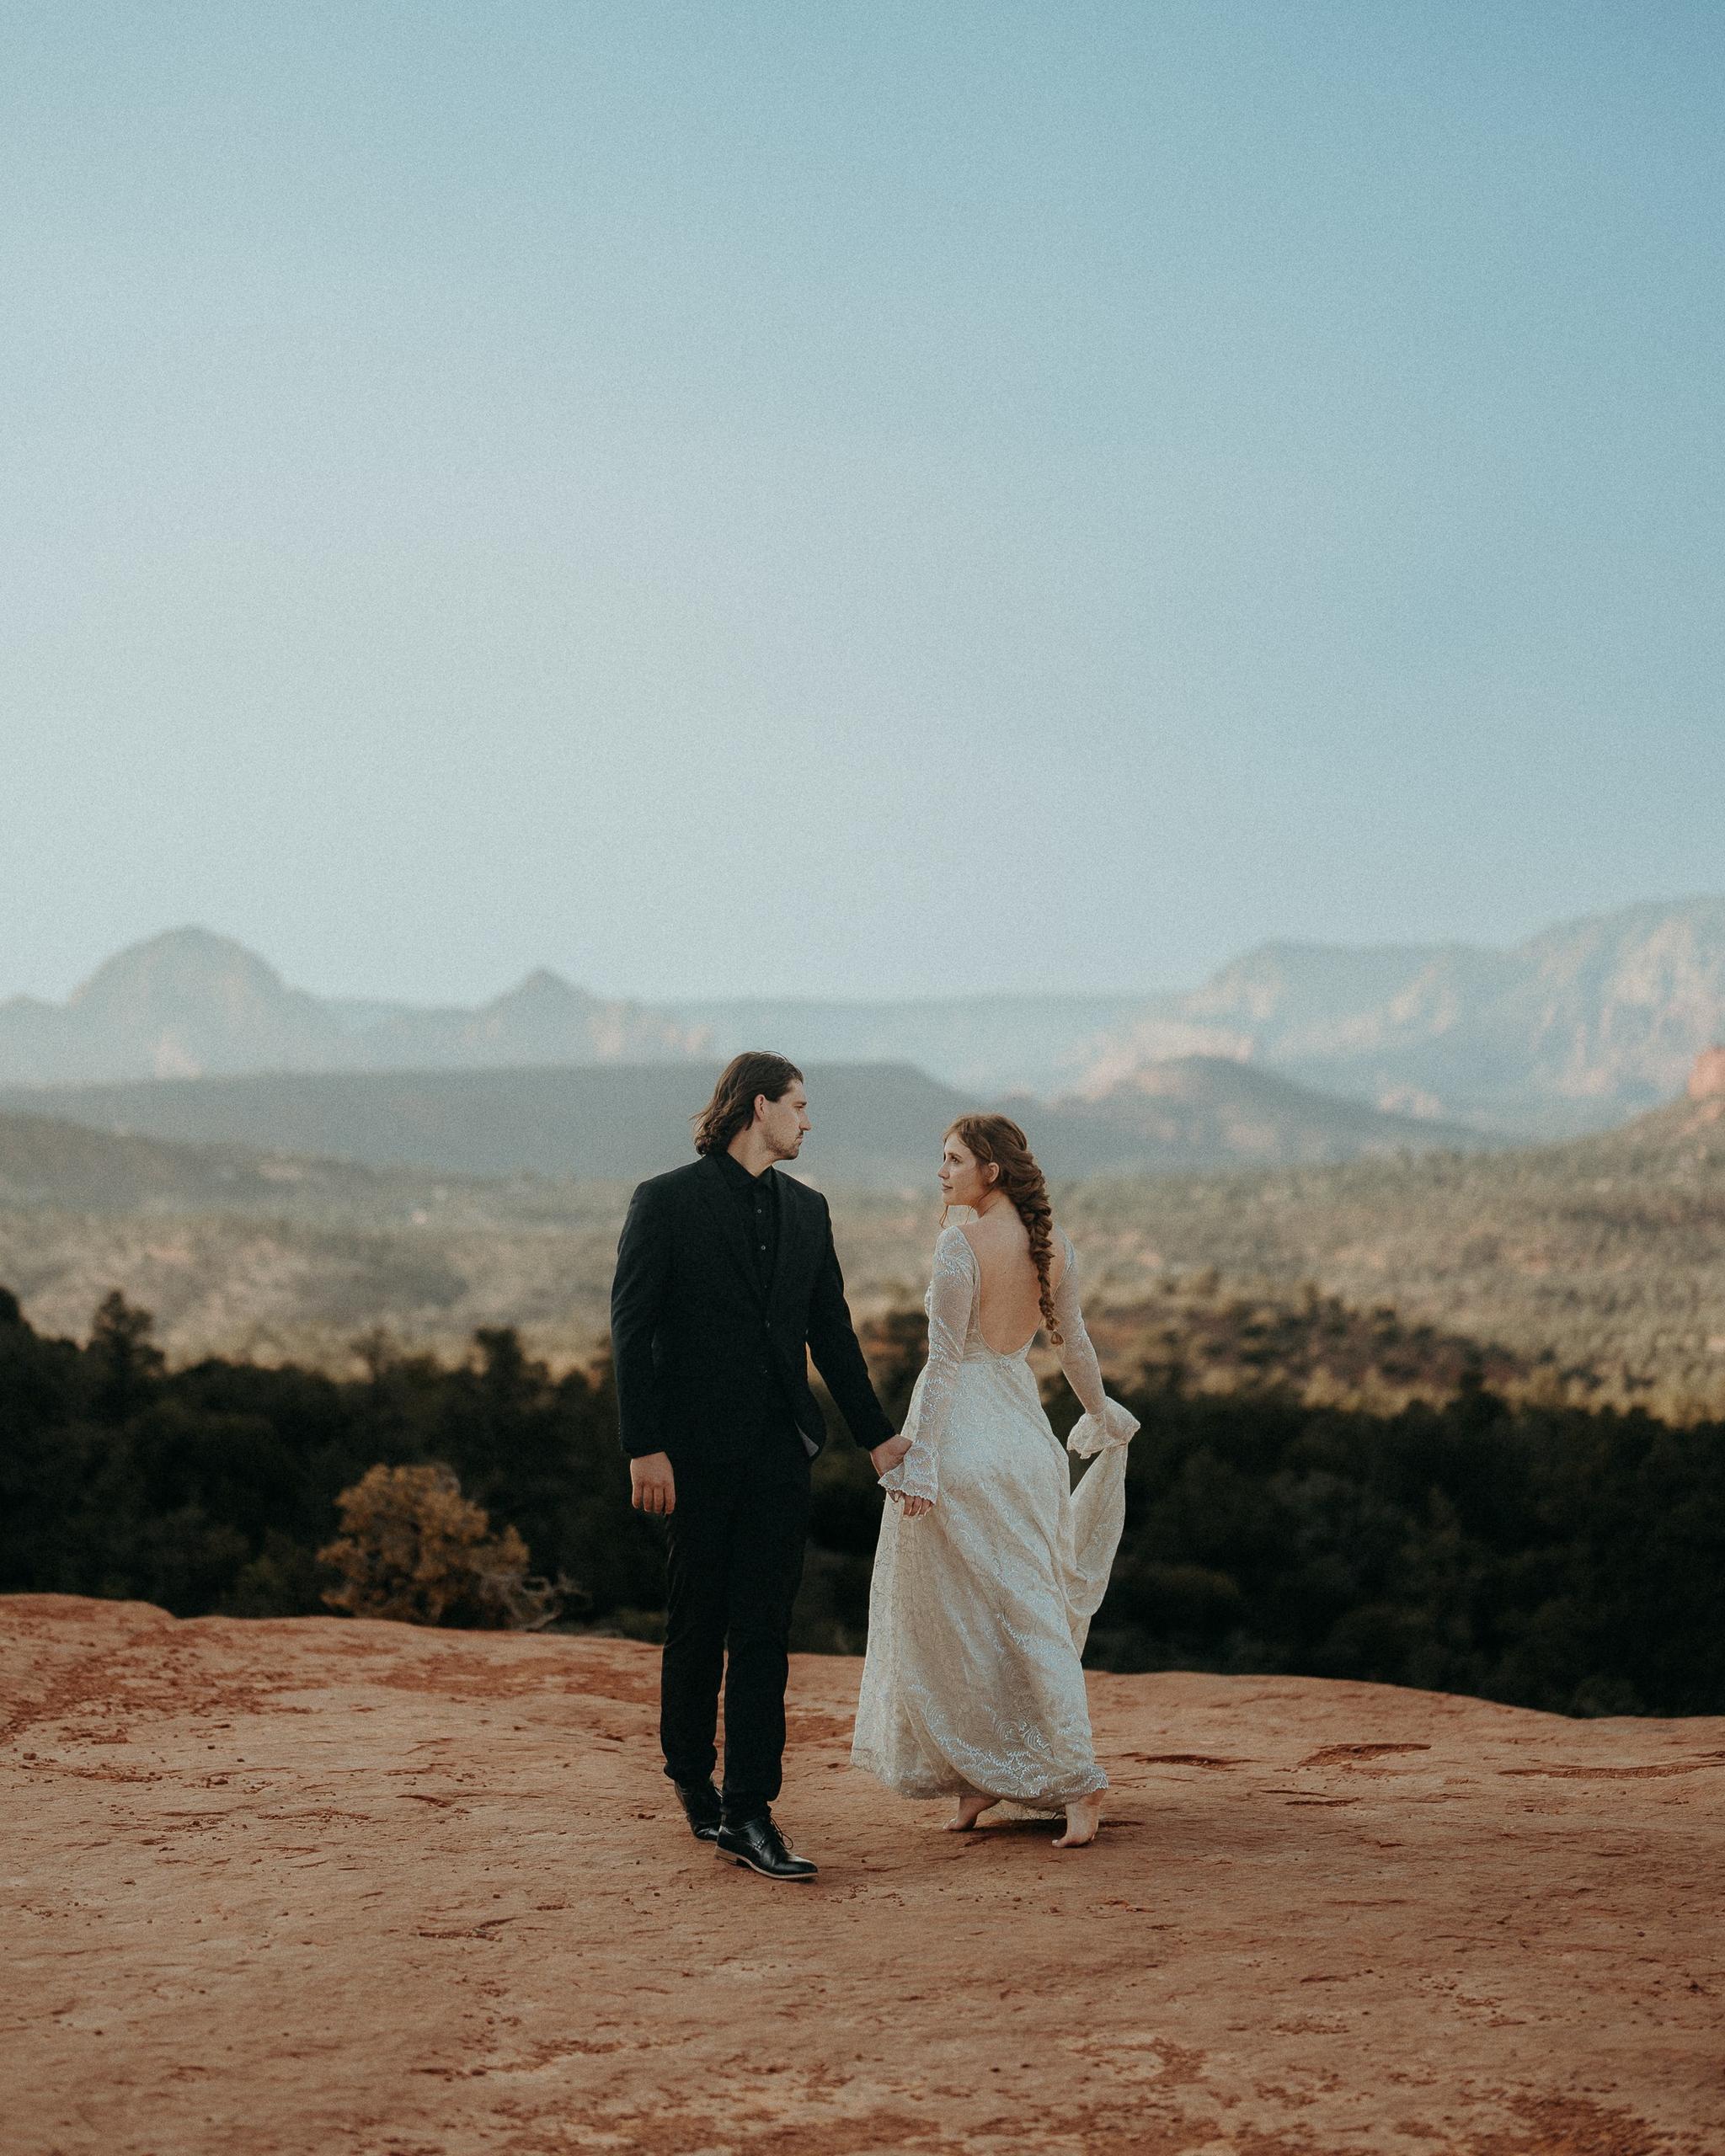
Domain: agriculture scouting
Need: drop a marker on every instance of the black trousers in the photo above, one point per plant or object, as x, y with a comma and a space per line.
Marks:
734, 1564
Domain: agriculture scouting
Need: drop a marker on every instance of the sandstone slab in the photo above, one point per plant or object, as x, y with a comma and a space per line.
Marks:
326, 1888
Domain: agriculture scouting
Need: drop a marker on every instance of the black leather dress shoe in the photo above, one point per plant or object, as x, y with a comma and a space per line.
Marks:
701, 1809
758, 1843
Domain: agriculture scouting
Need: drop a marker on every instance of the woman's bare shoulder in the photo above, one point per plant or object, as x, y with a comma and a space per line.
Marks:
998, 1232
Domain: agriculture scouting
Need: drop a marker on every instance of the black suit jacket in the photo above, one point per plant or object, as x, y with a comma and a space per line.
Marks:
704, 1353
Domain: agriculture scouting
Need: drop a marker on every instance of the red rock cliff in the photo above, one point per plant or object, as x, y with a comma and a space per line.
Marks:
1707, 1082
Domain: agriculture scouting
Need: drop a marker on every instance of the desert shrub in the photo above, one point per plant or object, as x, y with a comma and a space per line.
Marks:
413, 1548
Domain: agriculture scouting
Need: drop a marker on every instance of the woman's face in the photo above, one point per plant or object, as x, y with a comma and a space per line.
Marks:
963, 1181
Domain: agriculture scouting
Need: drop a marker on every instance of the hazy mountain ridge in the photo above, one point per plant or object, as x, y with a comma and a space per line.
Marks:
189, 1004
1579, 1027
876, 1126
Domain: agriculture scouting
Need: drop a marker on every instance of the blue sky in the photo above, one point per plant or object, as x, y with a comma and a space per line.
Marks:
854, 499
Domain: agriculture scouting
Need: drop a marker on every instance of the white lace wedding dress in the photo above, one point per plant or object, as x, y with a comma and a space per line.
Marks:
980, 1608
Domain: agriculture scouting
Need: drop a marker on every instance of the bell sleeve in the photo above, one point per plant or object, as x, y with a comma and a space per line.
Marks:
1104, 1422
952, 1290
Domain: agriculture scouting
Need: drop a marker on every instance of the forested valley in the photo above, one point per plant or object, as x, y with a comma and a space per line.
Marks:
1546, 1555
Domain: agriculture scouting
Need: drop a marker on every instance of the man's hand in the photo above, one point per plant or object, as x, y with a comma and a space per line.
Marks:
890, 1454
653, 1487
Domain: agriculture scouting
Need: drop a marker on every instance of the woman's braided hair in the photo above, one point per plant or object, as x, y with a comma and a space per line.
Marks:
997, 1141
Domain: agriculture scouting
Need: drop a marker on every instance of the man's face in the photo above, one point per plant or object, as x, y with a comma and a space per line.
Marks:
784, 1123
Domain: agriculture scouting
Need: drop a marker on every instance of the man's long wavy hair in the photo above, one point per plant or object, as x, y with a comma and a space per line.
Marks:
744, 1078
997, 1141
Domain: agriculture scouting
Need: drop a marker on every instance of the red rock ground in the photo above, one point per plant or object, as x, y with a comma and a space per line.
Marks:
338, 1887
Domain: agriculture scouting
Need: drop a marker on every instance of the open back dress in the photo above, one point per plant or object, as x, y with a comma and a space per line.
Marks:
980, 1608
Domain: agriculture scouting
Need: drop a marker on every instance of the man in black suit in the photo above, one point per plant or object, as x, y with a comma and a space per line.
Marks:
726, 1280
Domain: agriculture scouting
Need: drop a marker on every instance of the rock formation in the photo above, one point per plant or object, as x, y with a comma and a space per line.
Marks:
329, 1888
188, 1004
1706, 1081
1576, 1029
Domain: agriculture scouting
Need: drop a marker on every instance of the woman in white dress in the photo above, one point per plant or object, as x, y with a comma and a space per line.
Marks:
990, 1566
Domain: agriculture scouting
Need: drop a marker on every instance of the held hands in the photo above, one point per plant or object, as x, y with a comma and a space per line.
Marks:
888, 1453
886, 1457
652, 1486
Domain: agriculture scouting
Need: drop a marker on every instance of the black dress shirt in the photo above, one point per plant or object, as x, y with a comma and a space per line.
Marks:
755, 1198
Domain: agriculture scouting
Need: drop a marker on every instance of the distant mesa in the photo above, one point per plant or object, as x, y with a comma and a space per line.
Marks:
877, 1124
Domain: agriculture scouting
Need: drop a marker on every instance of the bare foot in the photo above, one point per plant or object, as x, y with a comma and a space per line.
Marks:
970, 1809
1083, 1818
